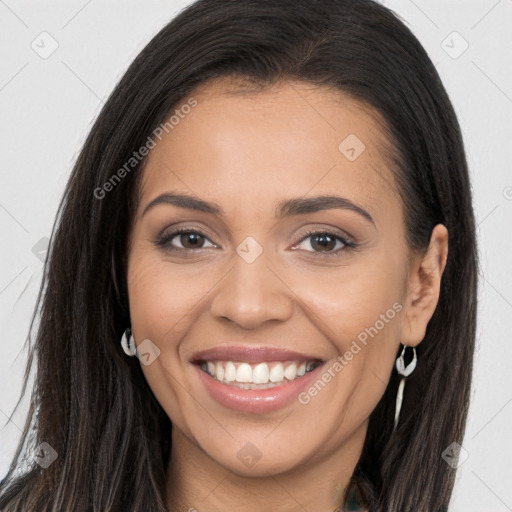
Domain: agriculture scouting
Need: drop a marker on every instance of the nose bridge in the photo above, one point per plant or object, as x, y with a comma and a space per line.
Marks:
250, 294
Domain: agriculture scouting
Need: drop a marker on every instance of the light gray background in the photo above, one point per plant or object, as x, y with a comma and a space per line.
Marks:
47, 106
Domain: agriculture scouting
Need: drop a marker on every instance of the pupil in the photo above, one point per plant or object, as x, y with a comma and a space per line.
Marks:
323, 241
190, 240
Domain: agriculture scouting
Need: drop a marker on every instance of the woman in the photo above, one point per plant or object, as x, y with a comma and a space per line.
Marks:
261, 214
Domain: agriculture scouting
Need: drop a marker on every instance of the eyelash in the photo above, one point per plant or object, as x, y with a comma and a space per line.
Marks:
165, 239
347, 243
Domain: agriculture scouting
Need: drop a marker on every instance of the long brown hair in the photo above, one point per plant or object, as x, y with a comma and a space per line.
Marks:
92, 404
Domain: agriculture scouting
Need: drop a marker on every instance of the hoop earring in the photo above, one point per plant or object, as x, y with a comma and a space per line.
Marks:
405, 371
128, 343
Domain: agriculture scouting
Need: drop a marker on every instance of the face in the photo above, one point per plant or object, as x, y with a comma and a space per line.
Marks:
276, 316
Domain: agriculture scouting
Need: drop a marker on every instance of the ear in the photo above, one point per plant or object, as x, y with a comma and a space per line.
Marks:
423, 287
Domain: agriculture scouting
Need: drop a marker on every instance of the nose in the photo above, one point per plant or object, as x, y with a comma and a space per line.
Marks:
252, 294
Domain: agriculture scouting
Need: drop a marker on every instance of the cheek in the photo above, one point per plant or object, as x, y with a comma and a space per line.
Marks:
164, 297
164, 301
360, 313
362, 302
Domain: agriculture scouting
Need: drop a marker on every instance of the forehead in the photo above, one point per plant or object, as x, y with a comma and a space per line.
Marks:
253, 147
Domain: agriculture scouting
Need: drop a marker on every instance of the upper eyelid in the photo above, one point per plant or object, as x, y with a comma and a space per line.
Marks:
344, 237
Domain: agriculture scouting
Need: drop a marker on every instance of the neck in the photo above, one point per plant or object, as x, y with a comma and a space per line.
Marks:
197, 483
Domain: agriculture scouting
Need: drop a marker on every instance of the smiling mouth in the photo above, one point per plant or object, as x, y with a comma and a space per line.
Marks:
263, 375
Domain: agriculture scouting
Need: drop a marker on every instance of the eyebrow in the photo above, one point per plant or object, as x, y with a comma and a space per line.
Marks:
285, 208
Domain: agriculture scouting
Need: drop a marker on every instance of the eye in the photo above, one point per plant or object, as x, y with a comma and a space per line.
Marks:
183, 240
324, 242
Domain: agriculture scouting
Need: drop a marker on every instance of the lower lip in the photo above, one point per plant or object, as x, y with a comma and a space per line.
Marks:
256, 400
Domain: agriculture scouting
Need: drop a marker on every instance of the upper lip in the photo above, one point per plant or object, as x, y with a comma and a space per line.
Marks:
251, 354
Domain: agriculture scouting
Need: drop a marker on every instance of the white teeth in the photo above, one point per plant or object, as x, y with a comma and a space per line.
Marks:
219, 371
290, 371
230, 373
258, 373
277, 373
244, 373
